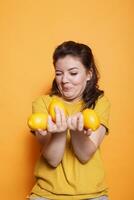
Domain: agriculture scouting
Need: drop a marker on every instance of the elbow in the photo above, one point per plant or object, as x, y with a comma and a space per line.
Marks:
84, 159
53, 162
86, 156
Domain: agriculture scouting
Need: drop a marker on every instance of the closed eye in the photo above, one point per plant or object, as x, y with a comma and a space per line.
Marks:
58, 74
73, 74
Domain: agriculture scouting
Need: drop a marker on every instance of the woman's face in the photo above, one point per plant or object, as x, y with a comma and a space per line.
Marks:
71, 77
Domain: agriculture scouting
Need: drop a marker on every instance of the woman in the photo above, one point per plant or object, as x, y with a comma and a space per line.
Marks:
70, 165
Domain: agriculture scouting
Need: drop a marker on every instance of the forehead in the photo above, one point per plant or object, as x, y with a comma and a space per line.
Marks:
68, 62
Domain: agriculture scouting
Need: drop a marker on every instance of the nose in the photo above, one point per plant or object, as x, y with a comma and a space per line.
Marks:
64, 78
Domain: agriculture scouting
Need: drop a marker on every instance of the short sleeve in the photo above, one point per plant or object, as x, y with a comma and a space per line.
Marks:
41, 104
102, 108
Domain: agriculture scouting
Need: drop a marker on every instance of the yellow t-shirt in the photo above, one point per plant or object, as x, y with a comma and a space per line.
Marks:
71, 179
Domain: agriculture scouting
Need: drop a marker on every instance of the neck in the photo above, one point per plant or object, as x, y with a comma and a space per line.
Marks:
72, 100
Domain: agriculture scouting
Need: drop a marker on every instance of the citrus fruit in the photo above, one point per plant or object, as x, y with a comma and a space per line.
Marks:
91, 120
55, 103
37, 121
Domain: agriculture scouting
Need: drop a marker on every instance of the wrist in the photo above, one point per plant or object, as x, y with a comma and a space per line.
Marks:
59, 134
74, 132
79, 134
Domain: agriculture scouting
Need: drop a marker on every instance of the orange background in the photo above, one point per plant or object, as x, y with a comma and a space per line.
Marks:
29, 32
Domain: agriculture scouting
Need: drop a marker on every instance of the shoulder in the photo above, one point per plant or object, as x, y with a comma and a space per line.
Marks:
103, 108
42, 99
102, 103
103, 100
41, 103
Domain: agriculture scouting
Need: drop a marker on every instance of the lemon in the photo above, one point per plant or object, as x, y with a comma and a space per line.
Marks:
37, 121
55, 103
91, 120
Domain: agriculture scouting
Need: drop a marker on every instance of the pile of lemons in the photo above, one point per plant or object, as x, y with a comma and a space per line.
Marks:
39, 120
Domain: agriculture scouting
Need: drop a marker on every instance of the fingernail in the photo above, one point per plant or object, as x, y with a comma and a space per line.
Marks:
49, 117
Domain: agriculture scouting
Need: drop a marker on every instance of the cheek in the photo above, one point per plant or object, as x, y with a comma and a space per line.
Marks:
58, 80
79, 80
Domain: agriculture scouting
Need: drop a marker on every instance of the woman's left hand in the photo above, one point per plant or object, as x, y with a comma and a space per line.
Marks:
76, 124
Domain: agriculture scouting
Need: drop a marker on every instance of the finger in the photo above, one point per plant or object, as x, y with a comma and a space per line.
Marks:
63, 119
74, 122
88, 132
37, 132
69, 123
41, 132
51, 127
58, 117
80, 123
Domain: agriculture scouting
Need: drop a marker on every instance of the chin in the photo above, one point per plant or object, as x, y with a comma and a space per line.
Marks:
67, 97
70, 98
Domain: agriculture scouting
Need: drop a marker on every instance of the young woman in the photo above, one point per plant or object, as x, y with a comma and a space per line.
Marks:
70, 165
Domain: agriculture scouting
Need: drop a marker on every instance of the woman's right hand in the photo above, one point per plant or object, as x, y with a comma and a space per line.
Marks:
54, 139
40, 132
60, 126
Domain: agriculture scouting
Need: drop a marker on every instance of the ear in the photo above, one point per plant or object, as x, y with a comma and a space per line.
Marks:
89, 75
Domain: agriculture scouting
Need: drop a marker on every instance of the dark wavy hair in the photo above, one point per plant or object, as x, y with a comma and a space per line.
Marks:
84, 53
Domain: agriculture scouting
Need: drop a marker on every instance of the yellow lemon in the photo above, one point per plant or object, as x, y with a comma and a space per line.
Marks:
91, 120
37, 121
55, 103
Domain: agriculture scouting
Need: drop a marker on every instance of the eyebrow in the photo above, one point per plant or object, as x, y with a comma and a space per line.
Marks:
73, 68
68, 69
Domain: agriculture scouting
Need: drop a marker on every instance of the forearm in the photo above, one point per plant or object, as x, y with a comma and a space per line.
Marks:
43, 139
83, 147
54, 150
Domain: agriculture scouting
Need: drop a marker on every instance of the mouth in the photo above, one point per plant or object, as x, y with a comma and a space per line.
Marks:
66, 89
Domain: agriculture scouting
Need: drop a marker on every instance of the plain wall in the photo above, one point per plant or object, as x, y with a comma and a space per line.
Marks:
29, 32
